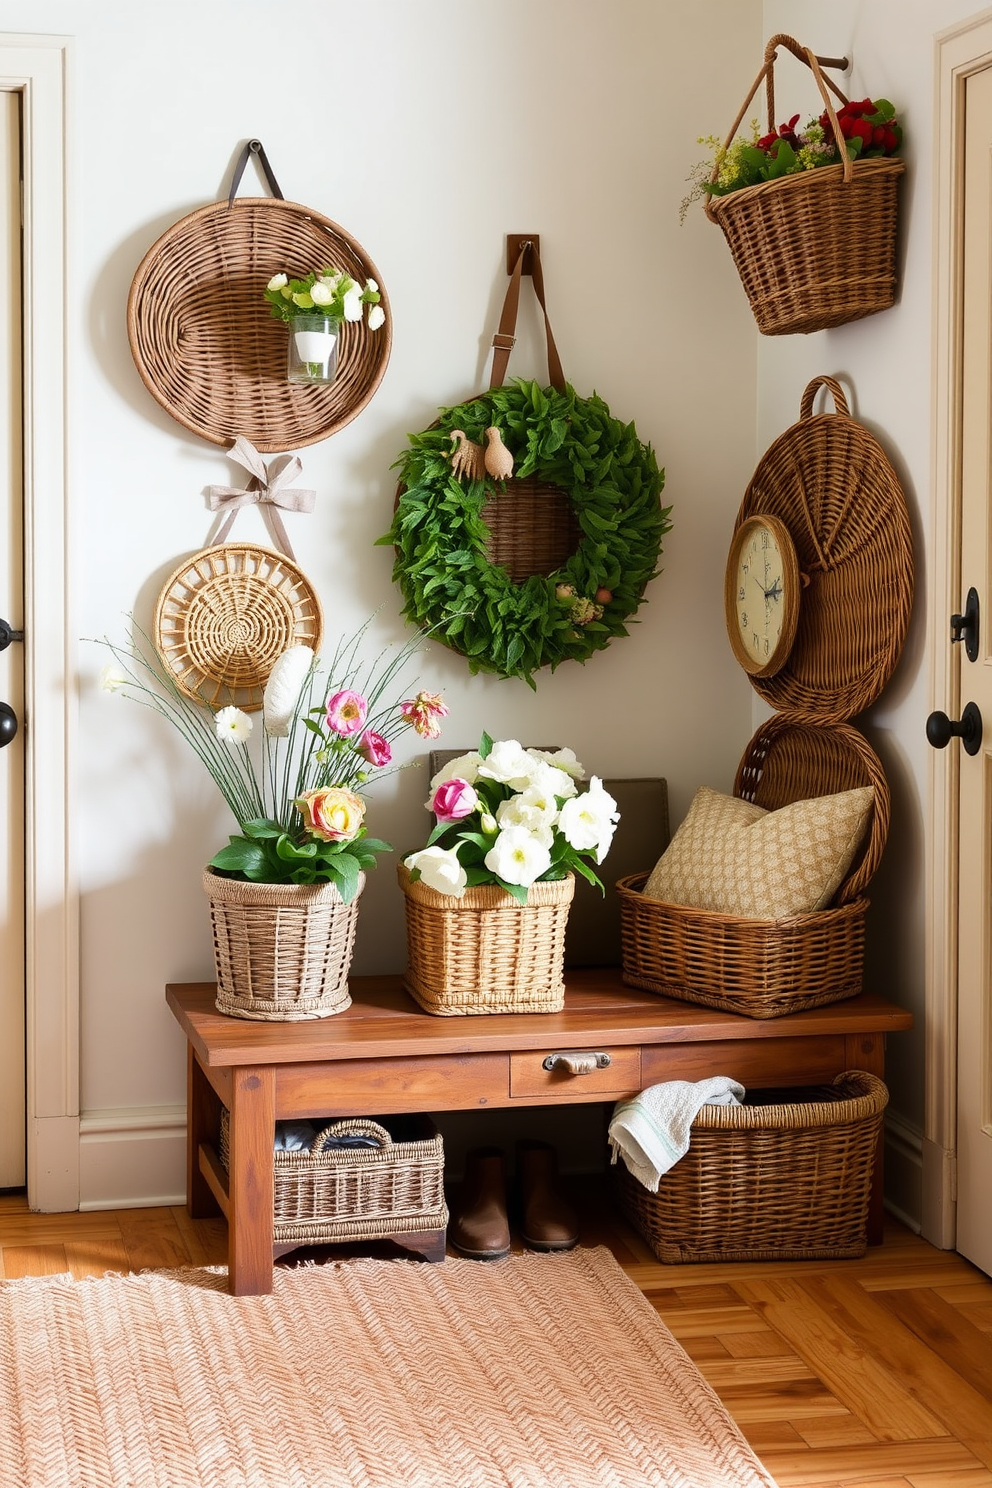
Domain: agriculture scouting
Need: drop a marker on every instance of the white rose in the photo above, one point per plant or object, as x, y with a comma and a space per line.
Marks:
518, 857
376, 317
531, 810
278, 281
551, 781
587, 822
439, 869
562, 759
321, 294
353, 304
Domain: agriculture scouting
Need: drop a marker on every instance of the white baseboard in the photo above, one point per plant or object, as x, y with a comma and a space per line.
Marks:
132, 1158
903, 1171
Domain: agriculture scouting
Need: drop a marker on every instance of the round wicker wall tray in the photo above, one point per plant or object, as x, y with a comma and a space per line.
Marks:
832, 485
789, 759
204, 341
226, 615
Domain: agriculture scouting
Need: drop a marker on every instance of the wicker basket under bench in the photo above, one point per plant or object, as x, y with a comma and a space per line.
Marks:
785, 1178
393, 1191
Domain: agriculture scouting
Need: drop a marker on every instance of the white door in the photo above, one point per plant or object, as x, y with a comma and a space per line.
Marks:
974, 685
12, 1091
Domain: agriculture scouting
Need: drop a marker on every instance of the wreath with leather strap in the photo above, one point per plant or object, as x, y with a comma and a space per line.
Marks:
526, 571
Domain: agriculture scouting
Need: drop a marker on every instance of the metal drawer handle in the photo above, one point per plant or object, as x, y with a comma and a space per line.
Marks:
577, 1064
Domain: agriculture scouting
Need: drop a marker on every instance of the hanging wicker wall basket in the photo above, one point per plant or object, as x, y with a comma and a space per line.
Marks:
205, 344
225, 616
817, 249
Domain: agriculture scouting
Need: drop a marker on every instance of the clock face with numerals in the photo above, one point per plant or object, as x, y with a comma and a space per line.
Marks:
761, 595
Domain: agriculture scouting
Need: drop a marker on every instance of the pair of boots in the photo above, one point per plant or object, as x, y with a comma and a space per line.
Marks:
481, 1228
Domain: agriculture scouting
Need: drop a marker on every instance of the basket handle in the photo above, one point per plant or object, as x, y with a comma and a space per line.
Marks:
833, 387
253, 147
504, 337
355, 1126
766, 75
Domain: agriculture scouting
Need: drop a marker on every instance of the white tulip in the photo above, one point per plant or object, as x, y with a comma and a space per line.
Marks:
510, 764
439, 869
112, 679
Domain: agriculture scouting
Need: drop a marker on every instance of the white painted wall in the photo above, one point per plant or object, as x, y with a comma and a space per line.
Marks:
427, 129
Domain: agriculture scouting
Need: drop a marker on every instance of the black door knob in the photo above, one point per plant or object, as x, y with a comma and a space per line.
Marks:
968, 728
8, 724
965, 627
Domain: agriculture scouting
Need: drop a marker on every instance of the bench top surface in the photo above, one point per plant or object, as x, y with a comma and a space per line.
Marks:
383, 1022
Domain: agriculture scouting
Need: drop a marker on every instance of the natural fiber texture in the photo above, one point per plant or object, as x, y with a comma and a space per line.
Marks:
833, 486
226, 615
816, 249
282, 951
761, 1182
206, 346
484, 952
761, 968
534, 1372
533, 528
357, 1193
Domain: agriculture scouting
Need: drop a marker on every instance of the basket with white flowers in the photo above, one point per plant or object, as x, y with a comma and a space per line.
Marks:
315, 308
487, 898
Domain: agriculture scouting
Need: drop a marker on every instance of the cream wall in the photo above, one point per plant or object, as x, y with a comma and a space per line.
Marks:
427, 129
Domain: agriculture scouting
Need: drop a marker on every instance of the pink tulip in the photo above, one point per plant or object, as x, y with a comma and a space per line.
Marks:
374, 748
454, 800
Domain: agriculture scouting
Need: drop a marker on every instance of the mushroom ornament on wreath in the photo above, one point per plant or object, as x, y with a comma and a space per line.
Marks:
454, 510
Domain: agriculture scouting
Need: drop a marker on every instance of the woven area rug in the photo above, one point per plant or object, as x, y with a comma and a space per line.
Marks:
541, 1371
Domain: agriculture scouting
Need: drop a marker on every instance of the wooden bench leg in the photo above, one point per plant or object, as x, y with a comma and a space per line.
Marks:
202, 1126
251, 1178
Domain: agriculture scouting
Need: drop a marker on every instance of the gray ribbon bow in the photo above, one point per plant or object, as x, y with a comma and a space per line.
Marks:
268, 488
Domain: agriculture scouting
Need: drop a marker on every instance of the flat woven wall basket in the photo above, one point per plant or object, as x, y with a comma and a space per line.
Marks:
831, 483
484, 952
331, 1195
226, 615
766, 968
789, 1180
282, 951
205, 344
817, 249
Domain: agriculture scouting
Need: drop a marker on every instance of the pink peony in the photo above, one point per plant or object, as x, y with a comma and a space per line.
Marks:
374, 748
346, 712
454, 800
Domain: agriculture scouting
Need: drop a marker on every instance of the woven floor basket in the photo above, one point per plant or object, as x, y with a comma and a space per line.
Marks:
206, 346
358, 1193
766, 968
282, 951
829, 480
768, 1182
484, 952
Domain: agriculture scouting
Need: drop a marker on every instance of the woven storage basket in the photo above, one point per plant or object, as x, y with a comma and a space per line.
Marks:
282, 951
833, 486
766, 968
788, 1181
206, 346
226, 615
358, 1193
817, 249
485, 952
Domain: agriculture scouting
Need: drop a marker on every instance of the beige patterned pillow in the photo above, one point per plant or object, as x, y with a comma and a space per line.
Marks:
737, 859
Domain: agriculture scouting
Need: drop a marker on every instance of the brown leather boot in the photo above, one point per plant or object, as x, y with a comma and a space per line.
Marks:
480, 1229
548, 1221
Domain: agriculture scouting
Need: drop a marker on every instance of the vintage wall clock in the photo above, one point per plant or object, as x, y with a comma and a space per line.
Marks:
761, 594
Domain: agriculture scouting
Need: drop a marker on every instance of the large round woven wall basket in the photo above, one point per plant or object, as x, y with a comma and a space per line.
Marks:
282, 951
226, 615
204, 341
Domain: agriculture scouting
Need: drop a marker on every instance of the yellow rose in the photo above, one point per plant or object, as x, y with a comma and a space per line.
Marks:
333, 814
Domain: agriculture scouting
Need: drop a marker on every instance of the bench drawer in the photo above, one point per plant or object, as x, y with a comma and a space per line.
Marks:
576, 1074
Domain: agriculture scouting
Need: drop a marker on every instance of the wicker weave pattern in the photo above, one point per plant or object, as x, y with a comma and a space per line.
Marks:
357, 1193
282, 951
761, 968
208, 350
226, 615
533, 528
788, 1182
833, 486
484, 952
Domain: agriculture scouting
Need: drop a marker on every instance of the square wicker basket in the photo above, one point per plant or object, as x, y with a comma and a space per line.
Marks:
789, 1180
358, 1193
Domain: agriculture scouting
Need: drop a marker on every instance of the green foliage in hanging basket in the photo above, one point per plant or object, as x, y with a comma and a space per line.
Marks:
450, 585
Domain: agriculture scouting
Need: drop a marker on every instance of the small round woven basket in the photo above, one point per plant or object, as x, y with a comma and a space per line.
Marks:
226, 615
484, 952
206, 345
282, 951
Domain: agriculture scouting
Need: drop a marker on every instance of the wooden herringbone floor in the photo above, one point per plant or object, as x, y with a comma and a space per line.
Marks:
875, 1373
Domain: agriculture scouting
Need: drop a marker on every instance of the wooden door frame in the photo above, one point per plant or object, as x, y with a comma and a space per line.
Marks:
961, 51
35, 66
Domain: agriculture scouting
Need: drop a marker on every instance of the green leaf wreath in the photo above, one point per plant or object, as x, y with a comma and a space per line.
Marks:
442, 565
